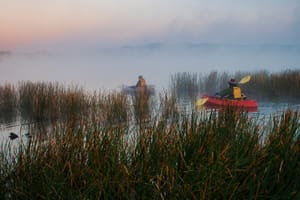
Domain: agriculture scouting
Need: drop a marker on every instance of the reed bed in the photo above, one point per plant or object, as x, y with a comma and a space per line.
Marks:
115, 146
42, 101
280, 86
197, 155
185, 84
264, 86
8, 103
113, 109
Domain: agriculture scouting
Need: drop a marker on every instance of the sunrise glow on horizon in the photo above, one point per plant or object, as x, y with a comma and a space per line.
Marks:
34, 22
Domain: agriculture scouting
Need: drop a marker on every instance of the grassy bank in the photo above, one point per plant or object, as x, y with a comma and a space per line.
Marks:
103, 146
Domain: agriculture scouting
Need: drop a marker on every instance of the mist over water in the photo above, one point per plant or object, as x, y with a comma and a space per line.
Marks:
110, 68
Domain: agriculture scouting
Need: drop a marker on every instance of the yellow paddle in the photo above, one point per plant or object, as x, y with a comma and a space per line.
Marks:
245, 79
201, 101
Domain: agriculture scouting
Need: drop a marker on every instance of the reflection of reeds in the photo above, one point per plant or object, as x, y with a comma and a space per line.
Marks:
141, 106
216, 155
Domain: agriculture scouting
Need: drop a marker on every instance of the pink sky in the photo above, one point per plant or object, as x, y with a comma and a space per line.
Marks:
35, 22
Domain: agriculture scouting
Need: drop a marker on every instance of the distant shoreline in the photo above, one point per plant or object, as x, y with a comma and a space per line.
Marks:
5, 52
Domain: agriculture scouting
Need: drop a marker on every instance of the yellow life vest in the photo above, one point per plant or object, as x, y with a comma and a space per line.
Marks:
237, 93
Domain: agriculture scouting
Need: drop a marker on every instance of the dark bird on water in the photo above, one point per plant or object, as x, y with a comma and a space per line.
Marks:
27, 135
13, 136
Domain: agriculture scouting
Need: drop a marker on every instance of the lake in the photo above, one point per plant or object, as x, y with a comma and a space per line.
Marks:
111, 68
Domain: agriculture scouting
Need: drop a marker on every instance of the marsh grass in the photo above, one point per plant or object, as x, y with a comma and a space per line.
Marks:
109, 146
280, 86
8, 103
185, 84
113, 109
169, 108
263, 86
206, 155
41, 101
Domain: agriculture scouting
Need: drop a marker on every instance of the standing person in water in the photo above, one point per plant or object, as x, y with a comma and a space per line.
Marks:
232, 92
141, 82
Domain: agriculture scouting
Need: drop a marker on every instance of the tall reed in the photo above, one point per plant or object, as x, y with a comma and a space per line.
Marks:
8, 103
114, 109
185, 84
263, 86
110, 146
38, 101
207, 155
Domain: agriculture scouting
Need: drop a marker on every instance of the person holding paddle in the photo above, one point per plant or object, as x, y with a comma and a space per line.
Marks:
232, 92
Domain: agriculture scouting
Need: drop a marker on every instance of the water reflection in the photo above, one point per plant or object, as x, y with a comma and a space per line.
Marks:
14, 128
187, 104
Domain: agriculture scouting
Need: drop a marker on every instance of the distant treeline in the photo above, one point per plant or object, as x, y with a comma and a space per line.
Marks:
263, 86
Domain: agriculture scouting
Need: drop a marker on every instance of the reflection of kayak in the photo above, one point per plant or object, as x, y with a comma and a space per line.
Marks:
132, 90
215, 102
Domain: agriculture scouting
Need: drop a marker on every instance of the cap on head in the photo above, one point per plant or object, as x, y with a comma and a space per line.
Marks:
140, 76
232, 81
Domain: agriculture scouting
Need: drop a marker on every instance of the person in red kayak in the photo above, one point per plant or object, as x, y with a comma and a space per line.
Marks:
232, 92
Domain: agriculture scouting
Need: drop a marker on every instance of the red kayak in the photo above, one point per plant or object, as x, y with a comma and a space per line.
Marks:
215, 102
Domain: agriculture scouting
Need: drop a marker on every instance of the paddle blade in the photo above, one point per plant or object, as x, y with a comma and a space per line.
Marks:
201, 102
245, 79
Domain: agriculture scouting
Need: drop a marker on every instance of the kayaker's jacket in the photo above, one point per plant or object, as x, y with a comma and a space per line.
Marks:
231, 92
141, 83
